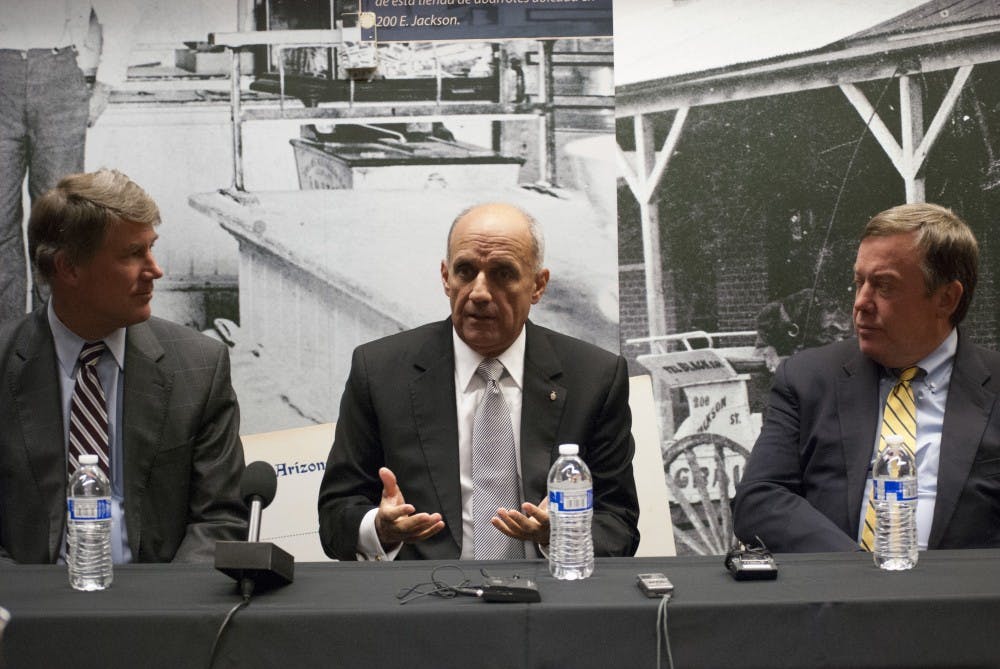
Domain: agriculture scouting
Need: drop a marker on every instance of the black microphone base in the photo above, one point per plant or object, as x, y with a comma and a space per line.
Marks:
267, 565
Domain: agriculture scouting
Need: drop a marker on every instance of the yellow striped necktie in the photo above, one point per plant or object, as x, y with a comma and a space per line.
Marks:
898, 417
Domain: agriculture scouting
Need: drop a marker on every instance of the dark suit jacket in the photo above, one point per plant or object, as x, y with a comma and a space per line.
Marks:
398, 410
804, 482
180, 428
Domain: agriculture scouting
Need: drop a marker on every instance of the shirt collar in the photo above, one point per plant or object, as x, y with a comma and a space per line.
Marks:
69, 344
467, 360
938, 364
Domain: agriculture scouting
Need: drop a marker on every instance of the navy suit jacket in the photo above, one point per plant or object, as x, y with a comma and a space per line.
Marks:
180, 429
804, 482
398, 410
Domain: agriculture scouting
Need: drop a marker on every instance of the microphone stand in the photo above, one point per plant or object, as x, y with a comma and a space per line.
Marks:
252, 562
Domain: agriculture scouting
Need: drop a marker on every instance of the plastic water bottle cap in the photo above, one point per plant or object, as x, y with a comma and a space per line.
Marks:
569, 449
89, 459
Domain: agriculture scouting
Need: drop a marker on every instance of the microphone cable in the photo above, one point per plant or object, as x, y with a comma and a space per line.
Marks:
663, 633
246, 592
440, 588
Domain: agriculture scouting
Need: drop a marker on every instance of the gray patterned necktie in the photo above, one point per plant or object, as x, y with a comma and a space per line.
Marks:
495, 481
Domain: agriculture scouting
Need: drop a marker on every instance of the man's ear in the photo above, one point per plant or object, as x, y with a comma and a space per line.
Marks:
541, 281
63, 269
949, 296
444, 278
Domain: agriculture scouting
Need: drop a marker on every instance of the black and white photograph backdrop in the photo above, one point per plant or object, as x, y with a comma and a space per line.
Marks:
755, 140
317, 221
702, 179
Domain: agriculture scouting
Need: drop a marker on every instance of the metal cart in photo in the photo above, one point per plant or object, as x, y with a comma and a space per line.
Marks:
704, 455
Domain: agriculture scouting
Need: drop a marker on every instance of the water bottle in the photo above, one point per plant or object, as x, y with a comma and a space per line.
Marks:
88, 527
571, 511
894, 492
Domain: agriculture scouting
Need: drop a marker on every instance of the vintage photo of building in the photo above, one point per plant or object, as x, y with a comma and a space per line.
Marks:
756, 139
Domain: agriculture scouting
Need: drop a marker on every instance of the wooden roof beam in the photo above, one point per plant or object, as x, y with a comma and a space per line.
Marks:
810, 72
869, 116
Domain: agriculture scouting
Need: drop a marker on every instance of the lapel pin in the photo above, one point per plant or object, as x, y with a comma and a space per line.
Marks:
552, 396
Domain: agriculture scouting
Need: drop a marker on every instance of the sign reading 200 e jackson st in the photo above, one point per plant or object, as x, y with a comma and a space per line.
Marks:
424, 20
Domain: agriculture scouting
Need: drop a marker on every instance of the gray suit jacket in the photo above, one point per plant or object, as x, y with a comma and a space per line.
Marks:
180, 428
398, 410
804, 482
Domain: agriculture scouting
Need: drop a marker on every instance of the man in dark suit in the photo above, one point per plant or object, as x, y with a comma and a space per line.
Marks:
806, 483
173, 453
406, 422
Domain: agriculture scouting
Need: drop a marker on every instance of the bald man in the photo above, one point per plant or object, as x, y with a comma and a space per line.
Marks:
399, 481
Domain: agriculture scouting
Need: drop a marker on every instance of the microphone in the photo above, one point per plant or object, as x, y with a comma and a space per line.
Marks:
252, 562
257, 488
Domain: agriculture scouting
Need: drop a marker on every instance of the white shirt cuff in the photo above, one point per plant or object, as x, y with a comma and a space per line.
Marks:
369, 547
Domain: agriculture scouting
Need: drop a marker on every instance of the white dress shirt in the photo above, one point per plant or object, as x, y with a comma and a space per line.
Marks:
47, 24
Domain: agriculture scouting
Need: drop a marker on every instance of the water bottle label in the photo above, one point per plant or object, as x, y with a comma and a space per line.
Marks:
93, 508
576, 500
898, 490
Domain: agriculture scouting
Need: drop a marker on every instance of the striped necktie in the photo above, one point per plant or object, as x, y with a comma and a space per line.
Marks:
88, 416
495, 481
898, 417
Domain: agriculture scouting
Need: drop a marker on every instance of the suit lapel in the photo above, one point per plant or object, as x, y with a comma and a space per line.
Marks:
146, 394
35, 388
857, 409
432, 397
966, 415
542, 404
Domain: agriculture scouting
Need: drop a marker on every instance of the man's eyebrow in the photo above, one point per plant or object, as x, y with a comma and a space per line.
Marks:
880, 275
139, 246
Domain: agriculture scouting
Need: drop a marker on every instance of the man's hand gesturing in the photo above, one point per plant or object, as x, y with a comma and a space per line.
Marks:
396, 521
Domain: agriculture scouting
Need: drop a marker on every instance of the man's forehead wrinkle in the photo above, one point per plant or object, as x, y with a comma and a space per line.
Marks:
489, 248
877, 271
495, 259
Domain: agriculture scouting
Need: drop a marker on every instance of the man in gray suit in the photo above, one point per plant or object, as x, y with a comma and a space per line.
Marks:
173, 451
402, 478
808, 478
